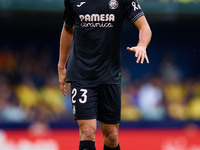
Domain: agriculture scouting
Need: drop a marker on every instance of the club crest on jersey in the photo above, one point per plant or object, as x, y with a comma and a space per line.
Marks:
113, 4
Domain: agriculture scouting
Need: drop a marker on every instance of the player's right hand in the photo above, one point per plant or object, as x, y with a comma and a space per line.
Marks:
140, 53
62, 80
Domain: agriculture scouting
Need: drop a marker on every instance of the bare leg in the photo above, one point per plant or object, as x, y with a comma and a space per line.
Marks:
87, 129
110, 134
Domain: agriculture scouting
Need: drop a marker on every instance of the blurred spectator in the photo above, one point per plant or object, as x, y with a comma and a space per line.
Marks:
129, 111
27, 93
175, 97
174, 92
9, 104
193, 109
12, 113
51, 95
150, 100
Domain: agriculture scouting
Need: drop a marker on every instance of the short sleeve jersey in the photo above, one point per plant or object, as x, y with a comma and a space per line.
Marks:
95, 54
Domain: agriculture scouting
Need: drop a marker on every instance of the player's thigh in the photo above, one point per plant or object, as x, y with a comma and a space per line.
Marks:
109, 106
84, 100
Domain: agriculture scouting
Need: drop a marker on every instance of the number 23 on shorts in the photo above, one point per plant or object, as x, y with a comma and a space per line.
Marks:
82, 100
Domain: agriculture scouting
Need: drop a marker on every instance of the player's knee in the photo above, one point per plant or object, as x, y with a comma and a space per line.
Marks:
88, 133
112, 138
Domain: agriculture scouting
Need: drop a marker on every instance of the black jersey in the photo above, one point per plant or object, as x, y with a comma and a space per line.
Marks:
95, 54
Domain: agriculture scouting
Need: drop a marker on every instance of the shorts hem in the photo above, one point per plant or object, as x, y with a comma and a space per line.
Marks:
85, 118
109, 122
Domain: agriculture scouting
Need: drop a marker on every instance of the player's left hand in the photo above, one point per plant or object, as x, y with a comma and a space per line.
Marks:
140, 53
62, 79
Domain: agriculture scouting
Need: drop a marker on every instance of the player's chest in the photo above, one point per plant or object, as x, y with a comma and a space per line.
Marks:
82, 7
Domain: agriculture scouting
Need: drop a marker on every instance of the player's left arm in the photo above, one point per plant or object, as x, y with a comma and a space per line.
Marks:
144, 39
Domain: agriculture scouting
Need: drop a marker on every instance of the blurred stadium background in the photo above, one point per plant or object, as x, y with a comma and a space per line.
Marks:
160, 101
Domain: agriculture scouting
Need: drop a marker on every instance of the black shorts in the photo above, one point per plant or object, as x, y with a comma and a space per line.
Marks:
96, 101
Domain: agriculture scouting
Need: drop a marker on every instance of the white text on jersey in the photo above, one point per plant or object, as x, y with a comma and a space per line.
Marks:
97, 17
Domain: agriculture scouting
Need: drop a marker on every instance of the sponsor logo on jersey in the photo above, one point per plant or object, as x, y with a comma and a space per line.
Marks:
113, 4
97, 20
100, 25
97, 17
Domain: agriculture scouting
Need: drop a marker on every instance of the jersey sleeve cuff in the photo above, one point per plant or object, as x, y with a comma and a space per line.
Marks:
68, 26
136, 17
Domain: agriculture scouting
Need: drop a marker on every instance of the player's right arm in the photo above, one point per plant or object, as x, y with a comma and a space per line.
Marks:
135, 15
65, 47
